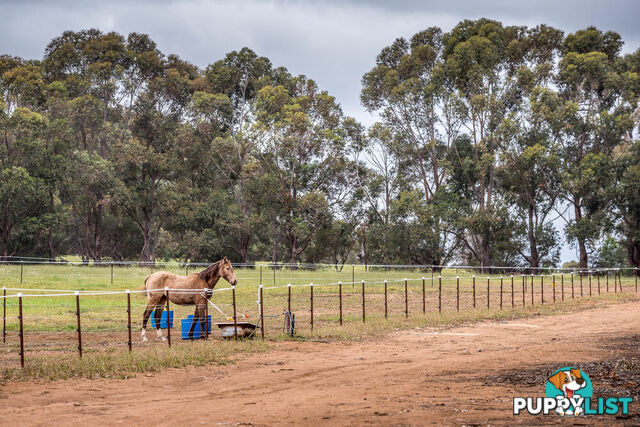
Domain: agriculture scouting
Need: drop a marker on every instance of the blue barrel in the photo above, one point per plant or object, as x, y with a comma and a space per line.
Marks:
185, 325
163, 319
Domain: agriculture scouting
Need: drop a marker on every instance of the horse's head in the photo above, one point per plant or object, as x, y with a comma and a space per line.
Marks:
227, 272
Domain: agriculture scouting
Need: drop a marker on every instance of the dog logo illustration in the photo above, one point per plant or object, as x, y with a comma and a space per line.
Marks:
569, 386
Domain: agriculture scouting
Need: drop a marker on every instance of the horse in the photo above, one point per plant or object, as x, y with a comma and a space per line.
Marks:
197, 290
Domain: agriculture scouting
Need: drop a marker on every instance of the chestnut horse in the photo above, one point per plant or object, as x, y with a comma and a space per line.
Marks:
193, 292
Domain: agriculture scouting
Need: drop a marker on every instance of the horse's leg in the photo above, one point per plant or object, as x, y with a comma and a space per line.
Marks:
158, 315
145, 319
203, 320
193, 323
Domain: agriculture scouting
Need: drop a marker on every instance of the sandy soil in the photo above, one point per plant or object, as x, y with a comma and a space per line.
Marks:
407, 378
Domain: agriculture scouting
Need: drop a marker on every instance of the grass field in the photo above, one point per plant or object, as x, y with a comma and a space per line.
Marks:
50, 322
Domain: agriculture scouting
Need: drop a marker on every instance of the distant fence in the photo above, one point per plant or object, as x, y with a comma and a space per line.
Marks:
57, 316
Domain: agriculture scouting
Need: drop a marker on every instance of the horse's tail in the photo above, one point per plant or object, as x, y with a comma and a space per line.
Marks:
144, 287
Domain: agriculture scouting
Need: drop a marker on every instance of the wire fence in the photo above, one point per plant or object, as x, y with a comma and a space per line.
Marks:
43, 320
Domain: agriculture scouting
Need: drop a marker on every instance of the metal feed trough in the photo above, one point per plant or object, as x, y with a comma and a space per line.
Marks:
245, 329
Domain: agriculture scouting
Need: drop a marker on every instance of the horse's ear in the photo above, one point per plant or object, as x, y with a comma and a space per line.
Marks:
225, 259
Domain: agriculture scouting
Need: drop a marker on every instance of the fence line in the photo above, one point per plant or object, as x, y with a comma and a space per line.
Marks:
528, 280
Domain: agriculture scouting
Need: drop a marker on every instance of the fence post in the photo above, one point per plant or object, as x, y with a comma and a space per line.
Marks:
523, 296
363, 305
166, 291
635, 270
386, 309
340, 297
261, 313
572, 292
424, 298
457, 293
501, 280
532, 295
562, 285
488, 292
619, 280
607, 281
598, 284
474, 291
21, 270
581, 292
513, 300
439, 294
542, 286
235, 317
129, 343
406, 300
553, 286
206, 313
79, 328
311, 306
21, 330
4, 315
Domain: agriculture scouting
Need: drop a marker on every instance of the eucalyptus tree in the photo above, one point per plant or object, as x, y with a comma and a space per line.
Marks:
303, 153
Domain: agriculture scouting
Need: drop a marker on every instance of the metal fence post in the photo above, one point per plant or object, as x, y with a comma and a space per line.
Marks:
129, 343
21, 330
79, 327
289, 297
532, 295
607, 281
523, 286
553, 286
598, 283
501, 281
542, 287
562, 285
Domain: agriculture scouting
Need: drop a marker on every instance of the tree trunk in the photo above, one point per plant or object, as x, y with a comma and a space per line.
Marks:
582, 244
534, 258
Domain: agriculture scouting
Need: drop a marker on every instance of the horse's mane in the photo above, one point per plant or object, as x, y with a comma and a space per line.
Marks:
208, 272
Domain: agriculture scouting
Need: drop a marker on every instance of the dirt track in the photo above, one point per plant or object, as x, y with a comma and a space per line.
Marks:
413, 377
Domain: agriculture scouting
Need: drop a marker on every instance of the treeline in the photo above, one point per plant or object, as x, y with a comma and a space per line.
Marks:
487, 136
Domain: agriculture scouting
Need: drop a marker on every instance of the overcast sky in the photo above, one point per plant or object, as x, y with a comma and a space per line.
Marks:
334, 42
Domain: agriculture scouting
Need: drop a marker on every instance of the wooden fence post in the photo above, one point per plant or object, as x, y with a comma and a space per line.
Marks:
129, 342
488, 292
598, 284
79, 327
562, 285
340, 297
206, 315
166, 292
439, 294
501, 280
607, 280
406, 300
21, 330
363, 304
474, 291
289, 296
553, 286
262, 312
386, 308
457, 293
424, 298
542, 286
311, 306
581, 291
4, 315
523, 286
235, 317
513, 300
532, 294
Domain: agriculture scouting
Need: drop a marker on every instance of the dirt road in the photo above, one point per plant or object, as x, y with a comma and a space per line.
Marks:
465, 375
